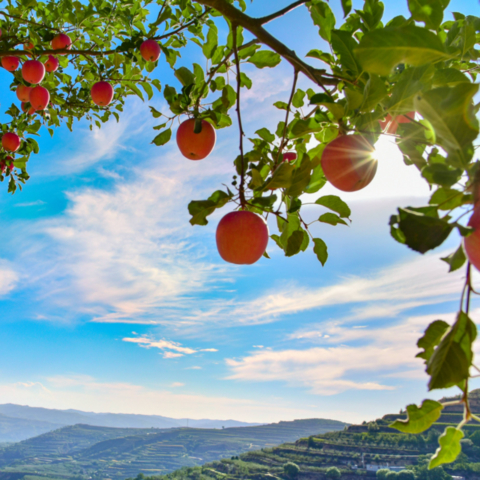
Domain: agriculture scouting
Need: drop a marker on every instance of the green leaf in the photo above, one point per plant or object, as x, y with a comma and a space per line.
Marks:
441, 174
456, 260
347, 7
297, 100
317, 180
447, 199
449, 77
212, 41
200, 209
294, 243
431, 338
336, 204
428, 11
450, 363
337, 109
281, 178
265, 134
343, 44
375, 91
331, 219
422, 232
163, 137
185, 76
265, 58
449, 449
300, 178
419, 419
383, 49
450, 111
299, 128
320, 250
322, 17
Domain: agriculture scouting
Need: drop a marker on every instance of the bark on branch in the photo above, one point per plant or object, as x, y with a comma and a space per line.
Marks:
254, 26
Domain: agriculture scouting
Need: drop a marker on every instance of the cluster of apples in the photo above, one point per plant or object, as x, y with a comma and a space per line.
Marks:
348, 163
36, 98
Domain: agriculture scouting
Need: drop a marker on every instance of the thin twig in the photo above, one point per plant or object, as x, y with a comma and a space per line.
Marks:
289, 106
283, 11
241, 189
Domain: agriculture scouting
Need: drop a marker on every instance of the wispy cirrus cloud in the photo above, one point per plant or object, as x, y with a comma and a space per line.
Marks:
386, 293
170, 349
8, 277
343, 358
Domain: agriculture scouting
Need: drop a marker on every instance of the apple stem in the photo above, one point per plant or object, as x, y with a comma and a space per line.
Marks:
241, 189
197, 128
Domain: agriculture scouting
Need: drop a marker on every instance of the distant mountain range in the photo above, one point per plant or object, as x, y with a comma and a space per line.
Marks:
19, 422
83, 452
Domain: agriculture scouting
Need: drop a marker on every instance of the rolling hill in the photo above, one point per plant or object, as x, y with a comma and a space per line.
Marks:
19, 422
85, 451
356, 451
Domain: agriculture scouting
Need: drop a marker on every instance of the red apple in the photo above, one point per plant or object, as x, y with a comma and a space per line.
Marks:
150, 50
195, 146
28, 46
472, 242
10, 63
391, 123
61, 41
102, 93
289, 156
348, 163
23, 93
39, 97
242, 237
51, 64
33, 71
27, 108
11, 141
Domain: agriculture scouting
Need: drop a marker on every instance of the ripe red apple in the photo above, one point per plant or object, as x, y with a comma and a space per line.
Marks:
289, 156
51, 64
28, 46
11, 141
10, 63
242, 237
472, 242
348, 162
39, 97
195, 146
33, 71
102, 93
23, 93
27, 108
61, 41
150, 50
391, 123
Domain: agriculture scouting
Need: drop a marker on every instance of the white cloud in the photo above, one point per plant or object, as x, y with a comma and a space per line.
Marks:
172, 355
383, 294
175, 349
177, 384
8, 278
128, 254
349, 359
30, 204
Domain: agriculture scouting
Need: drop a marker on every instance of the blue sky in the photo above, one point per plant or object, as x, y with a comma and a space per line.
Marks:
111, 301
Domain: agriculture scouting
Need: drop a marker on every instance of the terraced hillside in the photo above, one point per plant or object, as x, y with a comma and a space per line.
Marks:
352, 451
84, 451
